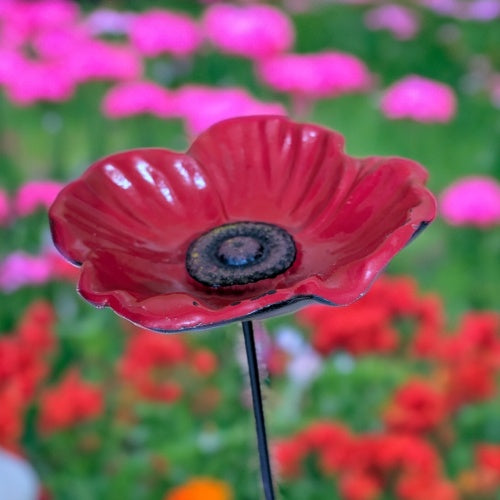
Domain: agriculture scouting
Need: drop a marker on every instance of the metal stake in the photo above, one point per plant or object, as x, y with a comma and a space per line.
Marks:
253, 370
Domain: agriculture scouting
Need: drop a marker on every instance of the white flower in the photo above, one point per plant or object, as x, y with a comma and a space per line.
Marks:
18, 480
304, 367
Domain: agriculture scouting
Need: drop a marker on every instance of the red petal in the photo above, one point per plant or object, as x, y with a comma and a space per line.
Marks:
347, 246
270, 169
144, 202
136, 296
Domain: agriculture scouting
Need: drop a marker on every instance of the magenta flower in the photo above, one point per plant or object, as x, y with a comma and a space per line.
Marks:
60, 42
444, 7
400, 21
135, 98
202, 106
4, 207
253, 31
35, 194
15, 30
11, 63
33, 81
160, 31
22, 19
109, 21
20, 269
44, 14
325, 74
483, 10
472, 201
99, 60
419, 99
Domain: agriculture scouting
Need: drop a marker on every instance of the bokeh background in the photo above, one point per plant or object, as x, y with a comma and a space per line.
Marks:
393, 397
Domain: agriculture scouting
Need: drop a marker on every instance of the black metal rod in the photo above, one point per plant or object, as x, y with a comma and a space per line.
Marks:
258, 411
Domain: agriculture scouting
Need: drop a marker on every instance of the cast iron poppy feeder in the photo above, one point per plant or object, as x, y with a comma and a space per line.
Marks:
259, 217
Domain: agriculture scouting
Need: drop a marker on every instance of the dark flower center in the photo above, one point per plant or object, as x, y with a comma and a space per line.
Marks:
240, 253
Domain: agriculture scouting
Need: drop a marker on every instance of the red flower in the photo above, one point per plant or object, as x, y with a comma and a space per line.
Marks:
365, 326
422, 488
204, 362
12, 416
329, 440
288, 455
20, 365
22, 368
467, 382
71, 402
36, 329
427, 342
148, 363
390, 454
417, 407
359, 486
477, 339
358, 329
323, 434
488, 457
154, 366
260, 214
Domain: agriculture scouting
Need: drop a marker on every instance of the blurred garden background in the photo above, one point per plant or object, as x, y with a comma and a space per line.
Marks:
393, 397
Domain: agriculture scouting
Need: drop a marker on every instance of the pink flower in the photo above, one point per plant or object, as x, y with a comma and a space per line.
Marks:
478, 10
444, 7
203, 106
483, 10
97, 60
44, 14
34, 194
254, 31
419, 99
22, 19
400, 21
158, 31
11, 63
35, 81
19, 269
14, 28
60, 42
133, 98
104, 21
472, 201
4, 207
316, 75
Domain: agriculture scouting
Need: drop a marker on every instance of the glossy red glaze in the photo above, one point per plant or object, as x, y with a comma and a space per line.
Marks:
131, 217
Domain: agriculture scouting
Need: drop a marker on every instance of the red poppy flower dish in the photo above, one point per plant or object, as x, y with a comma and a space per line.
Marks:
259, 217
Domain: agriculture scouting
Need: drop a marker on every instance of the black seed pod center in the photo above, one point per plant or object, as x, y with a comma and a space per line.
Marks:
240, 253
